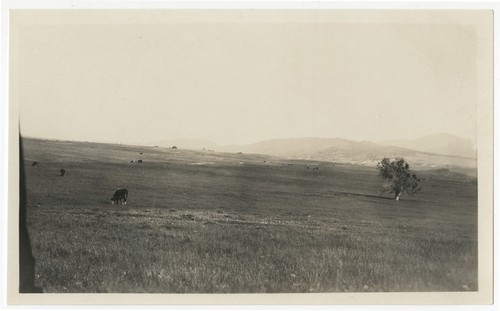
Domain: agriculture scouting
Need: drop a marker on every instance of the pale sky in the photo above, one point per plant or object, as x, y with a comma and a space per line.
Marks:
242, 80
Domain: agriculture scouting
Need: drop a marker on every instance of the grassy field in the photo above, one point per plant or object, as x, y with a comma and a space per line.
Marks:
208, 222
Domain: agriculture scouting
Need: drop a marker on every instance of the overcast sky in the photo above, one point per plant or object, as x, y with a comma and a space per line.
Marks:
243, 80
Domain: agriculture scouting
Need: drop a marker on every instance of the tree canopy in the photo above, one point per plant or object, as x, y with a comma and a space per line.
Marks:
398, 176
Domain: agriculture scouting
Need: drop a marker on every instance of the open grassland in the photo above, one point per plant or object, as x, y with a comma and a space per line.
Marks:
207, 222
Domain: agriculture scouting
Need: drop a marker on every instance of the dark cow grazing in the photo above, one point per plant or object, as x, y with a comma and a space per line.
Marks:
140, 153
140, 161
62, 171
35, 163
120, 196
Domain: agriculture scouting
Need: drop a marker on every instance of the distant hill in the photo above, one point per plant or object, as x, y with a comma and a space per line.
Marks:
361, 152
348, 151
430, 152
289, 147
445, 144
321, 149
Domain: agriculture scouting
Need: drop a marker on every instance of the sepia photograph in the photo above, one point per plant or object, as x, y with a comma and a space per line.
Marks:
263, 152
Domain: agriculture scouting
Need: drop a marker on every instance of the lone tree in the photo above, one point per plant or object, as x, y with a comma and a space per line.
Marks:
398, 176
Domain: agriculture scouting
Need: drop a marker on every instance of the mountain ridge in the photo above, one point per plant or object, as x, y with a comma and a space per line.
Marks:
459, 152
441, 143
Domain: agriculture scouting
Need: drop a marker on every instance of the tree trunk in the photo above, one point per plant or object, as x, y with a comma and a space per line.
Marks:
397, 196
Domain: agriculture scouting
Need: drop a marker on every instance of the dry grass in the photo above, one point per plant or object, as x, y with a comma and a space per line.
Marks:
201, 222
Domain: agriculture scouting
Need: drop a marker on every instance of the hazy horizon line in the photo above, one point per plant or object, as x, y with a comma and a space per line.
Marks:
150, 142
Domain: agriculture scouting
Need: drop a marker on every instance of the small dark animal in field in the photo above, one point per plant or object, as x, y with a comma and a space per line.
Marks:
132, 161
140, 161
140, 152
62, 171
120, 196
35, 163
188, 216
